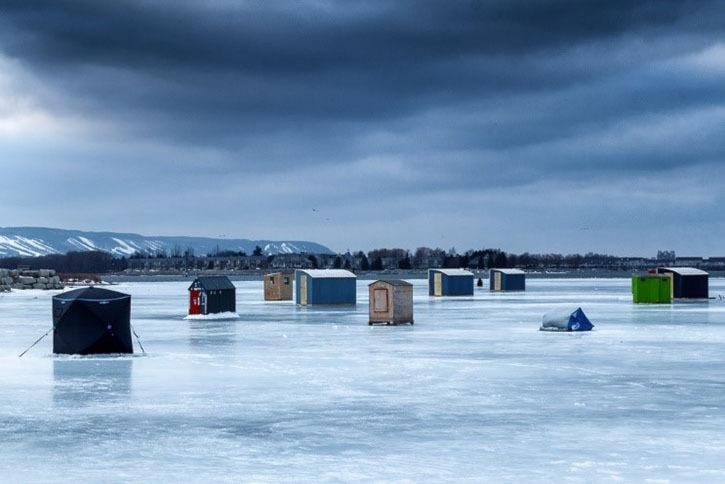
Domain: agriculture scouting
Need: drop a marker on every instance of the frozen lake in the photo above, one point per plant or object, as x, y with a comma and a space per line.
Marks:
473, 391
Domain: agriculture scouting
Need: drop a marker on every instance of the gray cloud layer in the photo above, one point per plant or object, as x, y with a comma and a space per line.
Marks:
557, 125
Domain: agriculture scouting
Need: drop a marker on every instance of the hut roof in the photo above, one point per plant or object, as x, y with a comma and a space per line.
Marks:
454, 272
392, 282
330, 273
509, 271
91, 294
685, 271
214, 283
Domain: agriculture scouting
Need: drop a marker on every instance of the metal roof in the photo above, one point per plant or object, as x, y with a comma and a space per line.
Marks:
330, 273
214, 283
392, 282
453, 272
685, 271
509, 271
279, 273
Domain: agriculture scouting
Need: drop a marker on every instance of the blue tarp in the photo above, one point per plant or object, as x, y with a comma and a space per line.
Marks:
566, 321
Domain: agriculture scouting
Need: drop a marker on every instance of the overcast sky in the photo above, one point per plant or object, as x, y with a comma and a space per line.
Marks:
562, 126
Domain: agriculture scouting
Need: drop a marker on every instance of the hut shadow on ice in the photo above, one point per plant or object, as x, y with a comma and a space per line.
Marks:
89, 380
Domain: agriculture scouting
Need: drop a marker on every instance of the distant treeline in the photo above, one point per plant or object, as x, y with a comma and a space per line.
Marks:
374, 260
95, 262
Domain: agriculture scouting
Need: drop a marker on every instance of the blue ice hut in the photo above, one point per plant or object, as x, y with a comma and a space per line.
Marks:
325, 286
450, 282
507, 280
566, 320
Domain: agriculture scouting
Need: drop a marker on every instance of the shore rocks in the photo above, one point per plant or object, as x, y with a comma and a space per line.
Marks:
27, 279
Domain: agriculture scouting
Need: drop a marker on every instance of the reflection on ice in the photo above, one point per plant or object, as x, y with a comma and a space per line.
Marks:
91, 380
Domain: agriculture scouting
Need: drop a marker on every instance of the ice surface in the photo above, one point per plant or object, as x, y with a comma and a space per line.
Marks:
473, 391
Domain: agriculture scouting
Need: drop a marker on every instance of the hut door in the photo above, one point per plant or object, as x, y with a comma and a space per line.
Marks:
303, 290
672, 285
380, 300
195, 302
437, 284
497, 281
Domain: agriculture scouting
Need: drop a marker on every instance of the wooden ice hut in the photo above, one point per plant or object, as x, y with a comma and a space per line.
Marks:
278, 286
391, 302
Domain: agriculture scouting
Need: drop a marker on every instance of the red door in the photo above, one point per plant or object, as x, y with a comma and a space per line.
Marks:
195, 302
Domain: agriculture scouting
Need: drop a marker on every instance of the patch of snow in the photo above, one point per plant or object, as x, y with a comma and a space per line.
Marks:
228, 316
123, 248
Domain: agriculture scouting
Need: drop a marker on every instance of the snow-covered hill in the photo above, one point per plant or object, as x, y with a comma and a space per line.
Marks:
36, 241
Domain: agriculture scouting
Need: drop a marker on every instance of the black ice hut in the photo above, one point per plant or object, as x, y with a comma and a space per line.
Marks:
212, 295
92, 321
687, 282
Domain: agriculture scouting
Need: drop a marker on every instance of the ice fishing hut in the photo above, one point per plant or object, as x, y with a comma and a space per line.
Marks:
212, 295
507, 280
652, 288
687, 282
391, 302
90, 321
450, 282
278, 286
325, 286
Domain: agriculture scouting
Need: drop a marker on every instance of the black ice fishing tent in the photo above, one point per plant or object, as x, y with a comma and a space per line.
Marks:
92, 321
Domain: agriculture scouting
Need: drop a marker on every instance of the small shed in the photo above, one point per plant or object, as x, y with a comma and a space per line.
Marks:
507, 280
652, 288
212, 295
278, 286
92, 321
450, 282
325, 287
687, 282
391, 302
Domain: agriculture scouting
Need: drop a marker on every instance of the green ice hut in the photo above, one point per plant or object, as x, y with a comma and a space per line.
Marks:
651, 288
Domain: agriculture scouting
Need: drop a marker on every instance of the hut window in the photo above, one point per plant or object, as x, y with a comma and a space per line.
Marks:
380, 297
286, 281
271, 281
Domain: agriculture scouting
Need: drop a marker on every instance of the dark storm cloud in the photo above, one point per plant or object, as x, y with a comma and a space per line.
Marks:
440, 97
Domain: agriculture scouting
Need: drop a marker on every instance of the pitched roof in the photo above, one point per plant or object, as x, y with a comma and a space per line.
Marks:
684, 271
331, 273
453, 272
214, 283
392, 282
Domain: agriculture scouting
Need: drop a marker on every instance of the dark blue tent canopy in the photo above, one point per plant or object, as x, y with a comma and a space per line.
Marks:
566, 320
